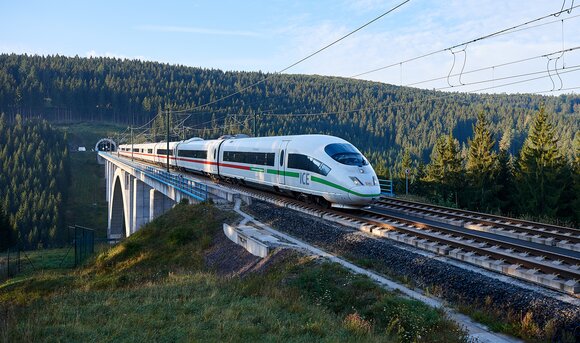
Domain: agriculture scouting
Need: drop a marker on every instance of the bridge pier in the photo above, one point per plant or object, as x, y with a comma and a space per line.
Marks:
159, 203
140, 204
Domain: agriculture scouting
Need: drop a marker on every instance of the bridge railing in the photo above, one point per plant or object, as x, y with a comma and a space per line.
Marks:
194, 189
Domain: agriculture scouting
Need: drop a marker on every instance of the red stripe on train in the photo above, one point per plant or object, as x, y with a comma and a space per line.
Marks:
227, 165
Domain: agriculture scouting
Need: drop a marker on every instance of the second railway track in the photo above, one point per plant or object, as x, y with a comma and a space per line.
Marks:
553, 235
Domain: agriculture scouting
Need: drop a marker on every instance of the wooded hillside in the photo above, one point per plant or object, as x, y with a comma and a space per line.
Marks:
125, 91
34, 173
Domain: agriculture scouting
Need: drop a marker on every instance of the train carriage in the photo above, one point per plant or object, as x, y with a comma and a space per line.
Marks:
197, 155
325, 169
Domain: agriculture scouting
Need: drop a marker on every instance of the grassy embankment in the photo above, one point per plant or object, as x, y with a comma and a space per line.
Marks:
159, 285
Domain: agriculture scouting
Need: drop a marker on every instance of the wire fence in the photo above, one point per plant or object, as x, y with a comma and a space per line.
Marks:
9, 263
81, 246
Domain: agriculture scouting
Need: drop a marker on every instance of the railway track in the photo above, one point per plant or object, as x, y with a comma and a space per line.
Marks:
553, 235
506, 254
556, 269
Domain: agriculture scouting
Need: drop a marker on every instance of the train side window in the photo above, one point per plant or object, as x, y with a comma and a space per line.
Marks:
259, 158
214, 153
193, 153
149, 151
281, 158
303, 162
164, 152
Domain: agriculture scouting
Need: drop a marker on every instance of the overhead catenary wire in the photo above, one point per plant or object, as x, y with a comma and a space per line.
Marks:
568, 70
445, 95
494, 34
501, 32
495, 66
505, 78
468, 72
498, 33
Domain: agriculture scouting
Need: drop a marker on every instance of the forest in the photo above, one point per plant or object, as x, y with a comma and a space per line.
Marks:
513, 154
539, 182
34, 173
380, 119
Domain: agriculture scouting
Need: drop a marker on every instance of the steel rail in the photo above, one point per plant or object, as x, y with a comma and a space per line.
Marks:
490, 217
484, 251
545, 233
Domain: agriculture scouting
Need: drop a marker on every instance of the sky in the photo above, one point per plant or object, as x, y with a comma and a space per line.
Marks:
270, 35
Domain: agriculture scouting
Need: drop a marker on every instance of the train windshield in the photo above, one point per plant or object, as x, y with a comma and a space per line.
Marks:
345, 154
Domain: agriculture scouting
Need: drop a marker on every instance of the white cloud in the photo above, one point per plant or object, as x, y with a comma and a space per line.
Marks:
197, 30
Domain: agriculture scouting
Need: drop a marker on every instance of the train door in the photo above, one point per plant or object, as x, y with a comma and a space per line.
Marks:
281, 163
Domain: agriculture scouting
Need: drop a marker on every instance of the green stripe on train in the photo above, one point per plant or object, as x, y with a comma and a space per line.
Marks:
334, 185
281, 172
322, 181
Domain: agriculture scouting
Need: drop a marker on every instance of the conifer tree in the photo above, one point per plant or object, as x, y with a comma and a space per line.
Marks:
540, 169
481, 167
418, 187
505, 182
445, 172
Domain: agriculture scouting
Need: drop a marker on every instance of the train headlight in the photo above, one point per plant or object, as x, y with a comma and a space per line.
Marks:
356, 181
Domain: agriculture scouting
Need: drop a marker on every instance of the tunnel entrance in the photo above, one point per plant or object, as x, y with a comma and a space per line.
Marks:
106, 144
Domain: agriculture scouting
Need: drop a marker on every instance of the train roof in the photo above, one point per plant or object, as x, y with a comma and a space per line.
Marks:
241, 140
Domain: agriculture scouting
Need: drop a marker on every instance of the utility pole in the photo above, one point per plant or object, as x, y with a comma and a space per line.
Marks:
132, 124
255, 127
168, 141
407, 181
132, 143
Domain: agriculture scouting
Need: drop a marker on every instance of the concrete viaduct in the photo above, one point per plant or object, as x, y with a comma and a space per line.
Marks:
136, 194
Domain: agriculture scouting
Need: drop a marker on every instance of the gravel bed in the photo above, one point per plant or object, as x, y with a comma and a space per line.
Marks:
456, 285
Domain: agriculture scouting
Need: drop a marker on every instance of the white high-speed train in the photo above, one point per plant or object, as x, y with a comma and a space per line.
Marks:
324, 169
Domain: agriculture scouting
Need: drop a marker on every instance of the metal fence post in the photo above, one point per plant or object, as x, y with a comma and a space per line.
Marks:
18, 264
75, 243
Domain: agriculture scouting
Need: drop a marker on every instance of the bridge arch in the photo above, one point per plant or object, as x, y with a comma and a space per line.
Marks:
120, 214
135, 197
